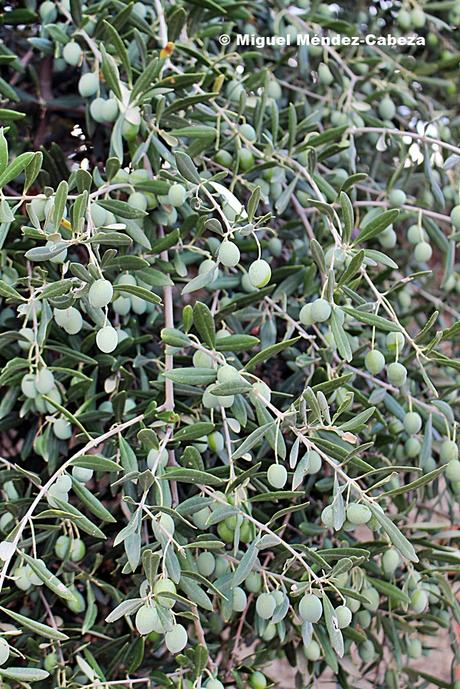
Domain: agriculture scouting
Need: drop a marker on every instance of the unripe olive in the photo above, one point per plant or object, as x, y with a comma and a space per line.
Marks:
265, 605
277, 476
259, 273
364, 618
327, 516
177, 195
201, 517
96, 109
423, 252
419, 601
146, 620
176, 639
343, 615
161, 588
374, 361
305, 315
320, 310
257, 680
62, 547
397, 374
51, 662
412, 422
248, 132
390, 561
216, 441
455, 217
4, 650
387, 109
366, 651
358, 513
395, 341
312, 651
416, 234
418, 18
324, 74
70, 319
414, 648
72, 53
129, 130
107, 339
48, 12
253, 582
214, 684
397, 197
234, 90
310, 608
77, 603
224, 158
110, 110
229, 254
448, 451
88, 85
404, 19
227, 374
62, 429
44, 382
137, 200
275, 246
239, 599
77, 550
206, 564
373, 597
388, 238
100, 293
453, 470
81, 474
28, 386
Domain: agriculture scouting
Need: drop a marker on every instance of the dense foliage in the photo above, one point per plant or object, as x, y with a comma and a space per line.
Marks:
228, 343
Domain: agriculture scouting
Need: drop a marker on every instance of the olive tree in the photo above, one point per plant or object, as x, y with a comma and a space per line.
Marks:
228, 343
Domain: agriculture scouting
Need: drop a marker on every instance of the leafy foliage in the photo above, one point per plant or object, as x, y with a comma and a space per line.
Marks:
229, 340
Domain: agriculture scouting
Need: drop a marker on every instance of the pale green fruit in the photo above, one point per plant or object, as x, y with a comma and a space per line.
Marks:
227, 374
397, 197
412, 422
259, 273
310, 608
305, 315
203, 360
161, 588
343, 615
314, 462
206, 563
100, 293
374, 362
449, 451
320, 310
177, 195
157, 459
81, 474
4, 650
229, 254
387, 109
325, 74
88, 85
28, 386
253, 582
72, 53
107, 339
277, 476
453, 470
265, 605
62, 429
358, 513
397, 374
423, 252
44, 381
390, 561
373, 597
312, 651
176, 639
239, 599
146, 620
